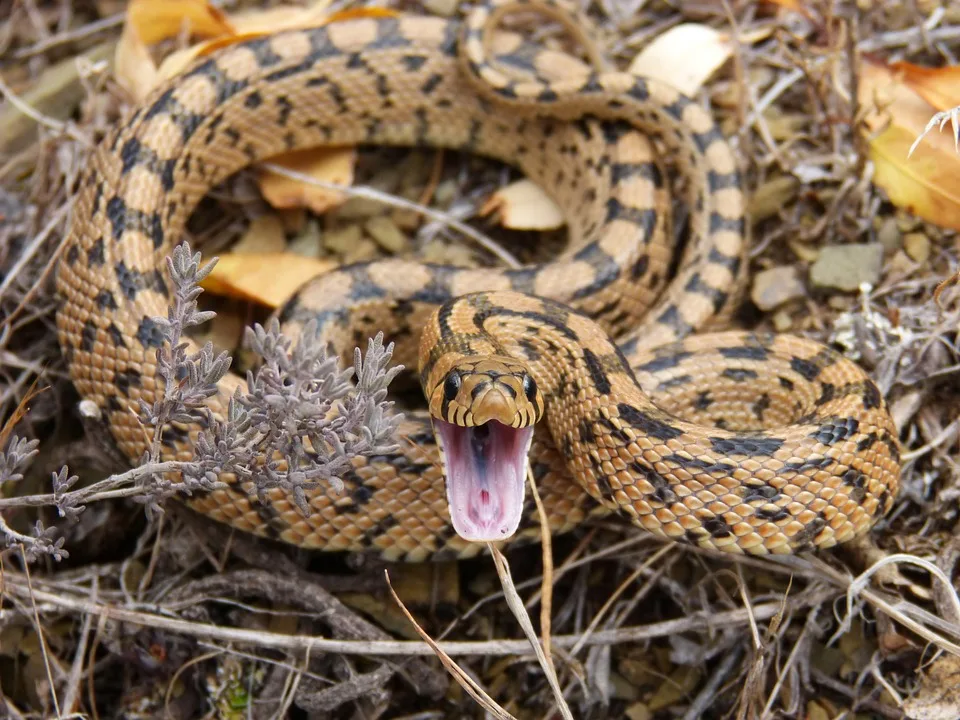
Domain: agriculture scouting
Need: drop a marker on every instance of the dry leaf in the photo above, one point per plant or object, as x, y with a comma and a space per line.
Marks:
523, 205
267, 278
938, 697
938, 86
328, 164
149, 22
156, 20
925, 182
134, 68
684, 57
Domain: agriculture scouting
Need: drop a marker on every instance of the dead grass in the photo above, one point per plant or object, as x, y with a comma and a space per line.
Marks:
181, 618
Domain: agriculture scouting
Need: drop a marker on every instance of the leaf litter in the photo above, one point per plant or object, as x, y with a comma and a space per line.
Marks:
824, 113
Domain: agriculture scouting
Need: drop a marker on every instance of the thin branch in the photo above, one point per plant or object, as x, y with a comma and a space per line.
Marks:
699, 621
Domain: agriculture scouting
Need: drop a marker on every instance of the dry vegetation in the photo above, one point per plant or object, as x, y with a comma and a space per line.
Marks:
169, 615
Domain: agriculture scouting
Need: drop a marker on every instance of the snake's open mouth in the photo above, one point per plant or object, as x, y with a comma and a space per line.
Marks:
486, 475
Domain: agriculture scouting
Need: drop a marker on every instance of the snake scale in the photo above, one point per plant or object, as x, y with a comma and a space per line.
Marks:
784, 445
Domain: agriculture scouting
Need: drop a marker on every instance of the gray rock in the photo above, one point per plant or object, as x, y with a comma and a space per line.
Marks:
845, 267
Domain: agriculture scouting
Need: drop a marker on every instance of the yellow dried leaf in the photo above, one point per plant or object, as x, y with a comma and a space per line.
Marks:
925, 182
523, 205
149, 22
327, 164
267, 278
684, 57
156, 20
135, 70
938, 86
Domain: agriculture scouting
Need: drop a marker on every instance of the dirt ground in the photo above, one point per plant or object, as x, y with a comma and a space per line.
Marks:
124, 611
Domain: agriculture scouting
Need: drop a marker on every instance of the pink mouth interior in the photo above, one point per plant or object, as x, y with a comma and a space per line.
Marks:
486, 477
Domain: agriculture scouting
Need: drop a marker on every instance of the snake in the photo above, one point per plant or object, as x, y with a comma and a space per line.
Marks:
603, 373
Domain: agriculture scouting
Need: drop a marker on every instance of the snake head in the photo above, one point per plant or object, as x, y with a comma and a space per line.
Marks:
483, 414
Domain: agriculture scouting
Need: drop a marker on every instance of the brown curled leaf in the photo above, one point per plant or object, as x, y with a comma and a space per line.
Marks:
925, 182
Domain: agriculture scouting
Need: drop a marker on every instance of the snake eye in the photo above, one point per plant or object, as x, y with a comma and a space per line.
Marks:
529, 387
451, 386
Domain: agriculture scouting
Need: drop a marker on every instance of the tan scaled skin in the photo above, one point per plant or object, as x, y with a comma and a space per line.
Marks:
421, 81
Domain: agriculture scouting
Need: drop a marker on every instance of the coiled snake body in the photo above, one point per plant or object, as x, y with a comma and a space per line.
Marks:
784, 444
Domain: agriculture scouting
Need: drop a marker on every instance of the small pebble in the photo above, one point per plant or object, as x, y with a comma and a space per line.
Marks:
386, 180
445, 193
807, 253
382, 229
438, 252
637, 672
782, 321
638, 711
907, 223
622, 689
900, 264
773, 287
307, 242
681, 681
414, 172
786, 126
771, 197
342, 240
815, 711
890, 236
364, 250
406, 219
359, 207
846, 267
917, 246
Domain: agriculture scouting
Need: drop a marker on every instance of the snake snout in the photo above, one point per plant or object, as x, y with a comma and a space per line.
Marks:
494, 403
478, 391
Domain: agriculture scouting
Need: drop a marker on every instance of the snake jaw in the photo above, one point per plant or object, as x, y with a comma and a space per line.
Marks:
485, 477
